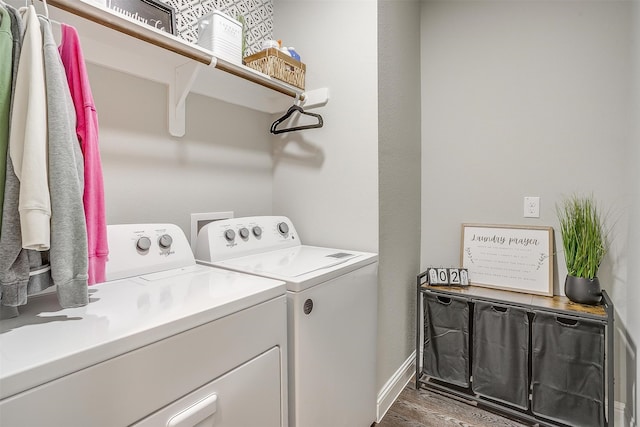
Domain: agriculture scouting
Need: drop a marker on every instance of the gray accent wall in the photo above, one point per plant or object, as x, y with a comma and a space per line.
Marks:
399, 166
630, 327
534, 98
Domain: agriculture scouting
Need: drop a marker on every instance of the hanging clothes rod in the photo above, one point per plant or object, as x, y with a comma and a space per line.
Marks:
166, 41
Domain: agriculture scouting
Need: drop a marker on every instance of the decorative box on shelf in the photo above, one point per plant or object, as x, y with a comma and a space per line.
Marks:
278, 65
222, 35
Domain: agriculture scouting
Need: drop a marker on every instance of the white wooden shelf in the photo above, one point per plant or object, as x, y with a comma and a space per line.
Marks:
118, 42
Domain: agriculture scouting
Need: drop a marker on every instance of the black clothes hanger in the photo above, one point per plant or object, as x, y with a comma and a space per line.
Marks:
290, 111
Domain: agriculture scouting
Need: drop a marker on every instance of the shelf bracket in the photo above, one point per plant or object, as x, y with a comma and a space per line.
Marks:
183, 80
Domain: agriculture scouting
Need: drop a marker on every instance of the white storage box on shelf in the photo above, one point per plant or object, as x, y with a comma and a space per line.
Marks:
222, 35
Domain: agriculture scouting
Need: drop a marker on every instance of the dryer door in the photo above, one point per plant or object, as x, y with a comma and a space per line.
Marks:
247, 396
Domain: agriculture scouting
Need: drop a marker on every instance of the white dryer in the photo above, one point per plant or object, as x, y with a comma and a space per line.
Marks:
164, 342
332, 314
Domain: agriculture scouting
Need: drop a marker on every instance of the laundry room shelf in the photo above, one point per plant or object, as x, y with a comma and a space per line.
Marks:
120, 43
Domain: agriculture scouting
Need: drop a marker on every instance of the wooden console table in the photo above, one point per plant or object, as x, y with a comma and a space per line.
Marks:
531, 309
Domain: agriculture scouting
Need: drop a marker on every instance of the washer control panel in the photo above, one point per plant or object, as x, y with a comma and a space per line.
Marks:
138, 249
235, 237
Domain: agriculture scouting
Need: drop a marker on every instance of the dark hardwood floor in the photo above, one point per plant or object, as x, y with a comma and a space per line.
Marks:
420, 408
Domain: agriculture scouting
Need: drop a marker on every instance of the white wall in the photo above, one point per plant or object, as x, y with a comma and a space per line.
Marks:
399, 181
326, 180
527, 98
223, 163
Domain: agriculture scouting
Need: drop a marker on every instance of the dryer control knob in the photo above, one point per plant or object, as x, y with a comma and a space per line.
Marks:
283, 228
165, 241
230, 235
143, 243
257, 231
244, 232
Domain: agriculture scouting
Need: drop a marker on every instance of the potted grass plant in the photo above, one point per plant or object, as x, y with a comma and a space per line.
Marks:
584, 241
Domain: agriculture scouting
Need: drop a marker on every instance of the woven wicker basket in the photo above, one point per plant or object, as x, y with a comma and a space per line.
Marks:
278, 65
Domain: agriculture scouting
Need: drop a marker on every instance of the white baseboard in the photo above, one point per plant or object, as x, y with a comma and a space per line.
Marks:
394, 386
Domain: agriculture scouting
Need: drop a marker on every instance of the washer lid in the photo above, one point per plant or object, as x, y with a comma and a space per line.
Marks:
300, 266
46, 342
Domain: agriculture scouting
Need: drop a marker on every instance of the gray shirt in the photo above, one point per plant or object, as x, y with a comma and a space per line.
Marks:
14, 261
68, 253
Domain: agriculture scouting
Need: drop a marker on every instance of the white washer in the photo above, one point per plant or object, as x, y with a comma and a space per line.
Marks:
331, 305
164, 342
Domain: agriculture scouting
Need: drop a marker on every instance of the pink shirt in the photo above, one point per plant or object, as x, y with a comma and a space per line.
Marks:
87, 130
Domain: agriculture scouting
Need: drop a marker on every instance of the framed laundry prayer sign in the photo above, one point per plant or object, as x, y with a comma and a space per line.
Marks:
150, 12
510, 257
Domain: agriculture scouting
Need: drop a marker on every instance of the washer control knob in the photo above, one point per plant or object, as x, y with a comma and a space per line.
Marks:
257, 231
230, 235
143, 243
244, 232
283, 228
165, 241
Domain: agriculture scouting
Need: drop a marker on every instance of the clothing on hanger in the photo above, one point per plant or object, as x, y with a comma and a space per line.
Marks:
28, 138
22, 271
12, 258
68, 251
87, 131
6, 77
41, 82
69, 260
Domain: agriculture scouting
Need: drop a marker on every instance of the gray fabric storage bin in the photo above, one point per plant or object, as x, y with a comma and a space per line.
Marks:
500, 358
446, 339
567, 375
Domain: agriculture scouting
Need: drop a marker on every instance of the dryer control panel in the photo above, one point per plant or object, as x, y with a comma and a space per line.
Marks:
236, 237
137, 249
